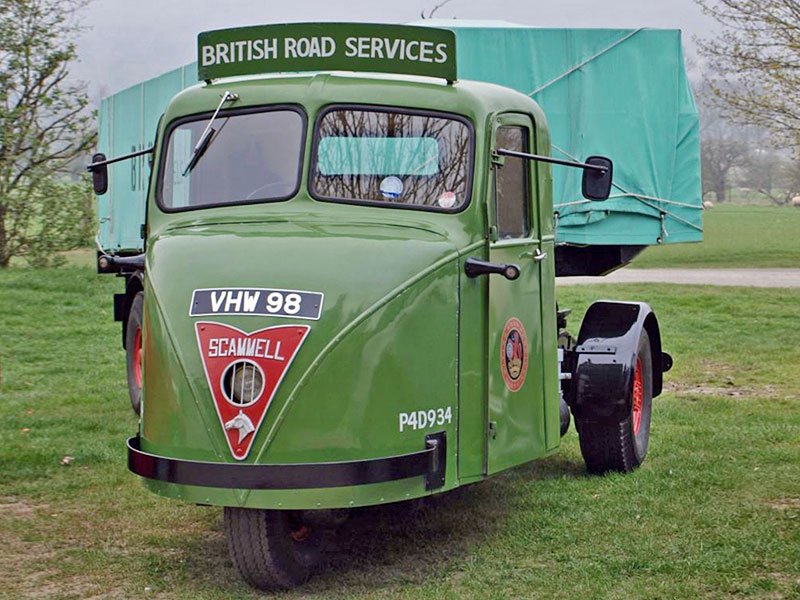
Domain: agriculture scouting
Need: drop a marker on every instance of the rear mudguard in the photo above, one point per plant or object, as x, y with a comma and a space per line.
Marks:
603, 361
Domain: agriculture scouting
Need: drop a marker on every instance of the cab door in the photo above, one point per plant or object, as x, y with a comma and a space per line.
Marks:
516, 428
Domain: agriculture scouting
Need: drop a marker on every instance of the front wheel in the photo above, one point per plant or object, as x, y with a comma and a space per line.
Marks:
133, 348
273, 549
611, 445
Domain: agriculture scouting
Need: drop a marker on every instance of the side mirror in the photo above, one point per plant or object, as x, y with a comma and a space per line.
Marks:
99, 174
596, 183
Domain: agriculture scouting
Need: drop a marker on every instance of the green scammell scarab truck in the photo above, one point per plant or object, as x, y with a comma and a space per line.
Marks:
347, 291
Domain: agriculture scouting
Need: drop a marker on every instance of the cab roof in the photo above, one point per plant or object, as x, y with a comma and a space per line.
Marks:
472, 99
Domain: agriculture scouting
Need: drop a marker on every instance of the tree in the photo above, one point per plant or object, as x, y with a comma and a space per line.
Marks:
720, 155
723, 147
787, 180
45, 122
756, 58
771, 173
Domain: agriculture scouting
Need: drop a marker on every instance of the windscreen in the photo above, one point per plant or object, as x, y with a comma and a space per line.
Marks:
396, 158
251, 157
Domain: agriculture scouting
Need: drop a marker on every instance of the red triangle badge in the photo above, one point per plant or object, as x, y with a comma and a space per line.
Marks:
244, 371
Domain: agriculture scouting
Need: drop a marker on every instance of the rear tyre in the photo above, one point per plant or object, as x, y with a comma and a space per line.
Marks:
621, 446
133, 347
273, 549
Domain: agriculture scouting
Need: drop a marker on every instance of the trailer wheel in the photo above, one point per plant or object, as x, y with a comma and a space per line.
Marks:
622, 445
133, 346
273, 549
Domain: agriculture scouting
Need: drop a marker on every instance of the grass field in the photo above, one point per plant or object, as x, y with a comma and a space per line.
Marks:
735, 237
714, 511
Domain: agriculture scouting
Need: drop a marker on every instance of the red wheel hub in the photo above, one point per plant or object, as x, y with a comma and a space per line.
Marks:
638, 396
137, 357
300, 534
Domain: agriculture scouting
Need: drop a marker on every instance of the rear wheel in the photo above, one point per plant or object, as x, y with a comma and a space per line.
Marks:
273, 549
612, 445
133, 347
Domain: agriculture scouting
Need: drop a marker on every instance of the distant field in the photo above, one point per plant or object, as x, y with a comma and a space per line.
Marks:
714, 511
735, 237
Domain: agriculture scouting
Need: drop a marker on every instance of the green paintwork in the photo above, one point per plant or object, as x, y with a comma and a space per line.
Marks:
402, 327
517, 432
299, 47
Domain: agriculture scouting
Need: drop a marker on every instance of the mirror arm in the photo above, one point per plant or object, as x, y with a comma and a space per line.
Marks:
109, 161
548, 159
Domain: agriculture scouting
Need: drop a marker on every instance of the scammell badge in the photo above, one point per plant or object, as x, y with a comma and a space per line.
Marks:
244, 371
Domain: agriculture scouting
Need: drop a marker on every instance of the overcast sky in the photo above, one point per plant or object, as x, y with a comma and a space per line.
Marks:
128, 41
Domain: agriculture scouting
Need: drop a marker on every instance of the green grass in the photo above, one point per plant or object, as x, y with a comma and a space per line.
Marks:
713, 512
735, 237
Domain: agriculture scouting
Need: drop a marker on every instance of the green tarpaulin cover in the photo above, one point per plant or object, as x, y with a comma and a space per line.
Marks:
619, 93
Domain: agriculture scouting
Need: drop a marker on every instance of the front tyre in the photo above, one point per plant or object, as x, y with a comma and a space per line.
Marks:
611, 445
133, 348
273, 549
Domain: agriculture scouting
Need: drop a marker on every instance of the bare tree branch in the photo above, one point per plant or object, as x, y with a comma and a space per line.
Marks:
756, 59
432, 11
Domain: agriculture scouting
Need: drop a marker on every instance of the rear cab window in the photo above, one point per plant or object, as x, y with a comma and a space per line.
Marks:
392, 157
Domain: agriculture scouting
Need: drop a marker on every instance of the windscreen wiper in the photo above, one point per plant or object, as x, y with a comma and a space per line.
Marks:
208, 134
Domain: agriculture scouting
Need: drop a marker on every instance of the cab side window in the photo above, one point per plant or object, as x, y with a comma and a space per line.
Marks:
512, 185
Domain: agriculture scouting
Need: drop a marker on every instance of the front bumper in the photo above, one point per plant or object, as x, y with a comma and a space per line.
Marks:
429, 463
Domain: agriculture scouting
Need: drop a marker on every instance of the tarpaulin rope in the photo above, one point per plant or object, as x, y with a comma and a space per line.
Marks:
657, 199
584, 62
640, 197
646, 197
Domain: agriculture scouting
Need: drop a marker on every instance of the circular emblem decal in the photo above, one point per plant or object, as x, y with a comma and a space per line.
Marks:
391, 187
514, 354
447, 200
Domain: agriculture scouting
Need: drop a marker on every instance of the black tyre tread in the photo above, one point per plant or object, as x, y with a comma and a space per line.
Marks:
134, 319
609, 445
258, 549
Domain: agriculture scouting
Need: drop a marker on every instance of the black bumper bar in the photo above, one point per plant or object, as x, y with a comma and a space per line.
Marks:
429, 463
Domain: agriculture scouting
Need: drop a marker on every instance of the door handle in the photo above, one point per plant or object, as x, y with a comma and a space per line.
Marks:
474, 267
537, 255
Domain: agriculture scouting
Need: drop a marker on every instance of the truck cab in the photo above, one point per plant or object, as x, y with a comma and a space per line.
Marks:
362, 195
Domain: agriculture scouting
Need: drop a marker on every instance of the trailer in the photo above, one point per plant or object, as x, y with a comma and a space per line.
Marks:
345, 290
